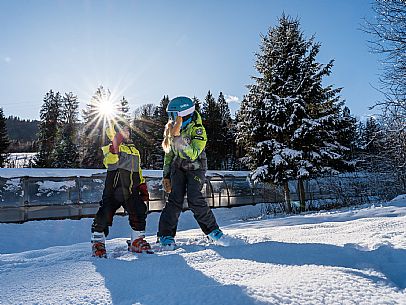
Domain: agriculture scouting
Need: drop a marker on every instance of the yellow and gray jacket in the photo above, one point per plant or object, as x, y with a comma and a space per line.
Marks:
187, 150
127, 158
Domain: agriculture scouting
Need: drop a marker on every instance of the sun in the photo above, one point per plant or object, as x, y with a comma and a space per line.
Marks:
107, 109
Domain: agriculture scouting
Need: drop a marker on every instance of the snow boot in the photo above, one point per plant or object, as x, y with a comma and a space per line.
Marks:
215, 235
138, 244
98, 245
219, 238
167, 242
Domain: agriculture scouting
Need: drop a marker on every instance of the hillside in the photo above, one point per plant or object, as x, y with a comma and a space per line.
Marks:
22, 130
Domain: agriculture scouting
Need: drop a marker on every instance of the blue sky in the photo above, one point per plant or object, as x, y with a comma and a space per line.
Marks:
145, 49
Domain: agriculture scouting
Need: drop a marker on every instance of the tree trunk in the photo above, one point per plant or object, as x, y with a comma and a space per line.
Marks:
287, 197
302, 195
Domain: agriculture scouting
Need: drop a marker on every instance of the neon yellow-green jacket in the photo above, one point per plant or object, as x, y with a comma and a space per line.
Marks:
128, 157
187, 150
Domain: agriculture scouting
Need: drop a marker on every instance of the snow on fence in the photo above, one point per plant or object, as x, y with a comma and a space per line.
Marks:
33, 194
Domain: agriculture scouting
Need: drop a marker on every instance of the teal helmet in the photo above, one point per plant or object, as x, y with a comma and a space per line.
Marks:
181, 106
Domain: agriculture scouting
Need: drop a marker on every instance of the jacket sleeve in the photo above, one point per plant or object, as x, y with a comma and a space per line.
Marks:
109, 158
142, 179
197, 144
167, 163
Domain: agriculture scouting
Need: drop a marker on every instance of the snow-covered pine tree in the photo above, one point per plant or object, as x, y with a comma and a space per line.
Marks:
123, 115
66, 154
370, 144
288, 120
393, 147
239, 124
347, 137
212, 122
372, 136
4, 140
93, 132
48, 129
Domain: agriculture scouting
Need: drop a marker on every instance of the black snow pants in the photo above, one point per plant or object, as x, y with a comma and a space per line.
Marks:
190, 182
116, 193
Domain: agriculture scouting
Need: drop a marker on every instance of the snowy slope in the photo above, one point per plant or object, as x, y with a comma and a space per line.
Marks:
353, 256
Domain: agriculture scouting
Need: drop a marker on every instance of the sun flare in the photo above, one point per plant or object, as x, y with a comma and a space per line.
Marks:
107, 109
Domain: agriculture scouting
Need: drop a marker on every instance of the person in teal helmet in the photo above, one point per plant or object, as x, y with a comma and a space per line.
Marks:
185, 166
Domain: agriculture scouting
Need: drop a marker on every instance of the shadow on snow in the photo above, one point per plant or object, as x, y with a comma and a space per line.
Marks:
166, 279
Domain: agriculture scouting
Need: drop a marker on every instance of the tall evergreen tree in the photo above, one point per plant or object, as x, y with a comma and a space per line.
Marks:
160, 119
4, 140
224, 109
288, 124
67, 151
347, 137
93, 133
48, 128
240, 151
146, 134
212, 121
197, 103
372, 136
226, 134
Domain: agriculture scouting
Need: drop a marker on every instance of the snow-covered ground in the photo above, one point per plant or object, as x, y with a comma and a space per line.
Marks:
352, 256
20, 160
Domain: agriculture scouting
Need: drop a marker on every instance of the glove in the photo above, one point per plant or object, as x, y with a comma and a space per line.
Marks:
143, 191
166, 182
117, 140
175, 132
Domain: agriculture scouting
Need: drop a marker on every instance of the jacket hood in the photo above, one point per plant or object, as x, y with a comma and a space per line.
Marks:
197, 118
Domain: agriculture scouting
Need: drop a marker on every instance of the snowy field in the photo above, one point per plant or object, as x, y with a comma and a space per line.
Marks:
352, 256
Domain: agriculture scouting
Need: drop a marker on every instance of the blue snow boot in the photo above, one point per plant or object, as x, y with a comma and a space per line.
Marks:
167, 242
215, 235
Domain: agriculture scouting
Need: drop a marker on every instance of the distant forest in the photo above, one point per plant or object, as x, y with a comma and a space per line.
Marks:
23, 134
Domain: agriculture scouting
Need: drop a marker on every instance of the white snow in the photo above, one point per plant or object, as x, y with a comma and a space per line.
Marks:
20, 160
12, 185
55, 186
348, 256
48, 172
75, 172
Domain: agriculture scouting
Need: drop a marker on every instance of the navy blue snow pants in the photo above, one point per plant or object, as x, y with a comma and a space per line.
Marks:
186, 182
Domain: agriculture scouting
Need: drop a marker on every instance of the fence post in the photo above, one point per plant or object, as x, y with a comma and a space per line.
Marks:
25, 184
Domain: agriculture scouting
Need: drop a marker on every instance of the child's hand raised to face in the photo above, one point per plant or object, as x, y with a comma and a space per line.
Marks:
175, 132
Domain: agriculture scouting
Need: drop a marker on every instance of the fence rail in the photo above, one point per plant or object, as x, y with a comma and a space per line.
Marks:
33, 198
